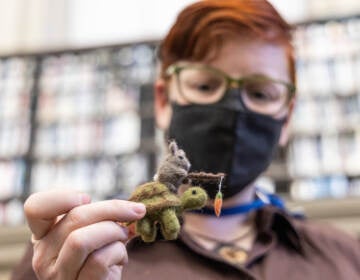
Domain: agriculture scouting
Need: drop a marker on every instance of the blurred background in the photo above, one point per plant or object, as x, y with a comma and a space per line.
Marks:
76, 106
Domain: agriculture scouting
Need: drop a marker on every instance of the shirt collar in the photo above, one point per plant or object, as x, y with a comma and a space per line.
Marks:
273, 225
271, 219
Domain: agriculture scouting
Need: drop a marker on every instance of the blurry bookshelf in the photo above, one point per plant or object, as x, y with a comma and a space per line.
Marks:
324, 152
83, 119
16, 89
80, 119
322, 158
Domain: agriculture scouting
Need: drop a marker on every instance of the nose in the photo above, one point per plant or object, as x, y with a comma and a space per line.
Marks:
234, 84
232, 99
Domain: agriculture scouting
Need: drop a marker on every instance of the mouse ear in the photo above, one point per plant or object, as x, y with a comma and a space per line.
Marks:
173, 147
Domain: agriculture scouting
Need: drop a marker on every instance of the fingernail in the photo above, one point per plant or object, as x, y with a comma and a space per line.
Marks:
84, 198
139, 208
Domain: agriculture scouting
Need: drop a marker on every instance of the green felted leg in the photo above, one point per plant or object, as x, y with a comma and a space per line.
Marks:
170, 226
146, 228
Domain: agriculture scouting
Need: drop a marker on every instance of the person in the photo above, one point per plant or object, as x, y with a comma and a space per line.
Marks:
225, 92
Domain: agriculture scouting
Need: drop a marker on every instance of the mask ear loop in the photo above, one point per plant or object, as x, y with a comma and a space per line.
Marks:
218, 199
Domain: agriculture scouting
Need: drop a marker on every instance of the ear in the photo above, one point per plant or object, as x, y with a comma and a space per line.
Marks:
162, 105
173, 147
284, 136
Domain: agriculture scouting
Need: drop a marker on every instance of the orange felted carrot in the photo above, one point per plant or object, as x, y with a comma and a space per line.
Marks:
218, 203
218, 200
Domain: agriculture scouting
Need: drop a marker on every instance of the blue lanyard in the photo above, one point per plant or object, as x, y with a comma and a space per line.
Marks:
263, 200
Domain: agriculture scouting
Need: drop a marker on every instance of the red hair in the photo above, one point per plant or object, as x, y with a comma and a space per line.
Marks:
201, 28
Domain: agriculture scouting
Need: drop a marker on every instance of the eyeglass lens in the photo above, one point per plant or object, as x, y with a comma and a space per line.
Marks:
205, 86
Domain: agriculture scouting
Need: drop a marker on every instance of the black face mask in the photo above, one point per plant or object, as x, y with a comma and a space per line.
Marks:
217, 138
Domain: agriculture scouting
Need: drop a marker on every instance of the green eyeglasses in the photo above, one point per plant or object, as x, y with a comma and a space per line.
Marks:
202, 84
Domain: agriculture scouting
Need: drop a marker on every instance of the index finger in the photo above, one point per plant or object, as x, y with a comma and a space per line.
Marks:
42, 208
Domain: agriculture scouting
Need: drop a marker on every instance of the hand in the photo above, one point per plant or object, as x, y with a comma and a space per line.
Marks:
76, 239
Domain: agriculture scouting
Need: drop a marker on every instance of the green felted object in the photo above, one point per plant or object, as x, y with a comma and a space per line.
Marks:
165, 207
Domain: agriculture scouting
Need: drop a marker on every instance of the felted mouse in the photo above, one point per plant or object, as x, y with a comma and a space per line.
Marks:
173, 171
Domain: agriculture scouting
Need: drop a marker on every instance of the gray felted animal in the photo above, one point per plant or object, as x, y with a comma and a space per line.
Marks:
174, 169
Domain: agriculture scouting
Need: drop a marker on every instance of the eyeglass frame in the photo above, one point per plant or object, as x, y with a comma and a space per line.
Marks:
230, 81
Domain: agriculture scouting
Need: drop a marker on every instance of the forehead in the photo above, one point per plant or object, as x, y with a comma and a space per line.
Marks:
245, 56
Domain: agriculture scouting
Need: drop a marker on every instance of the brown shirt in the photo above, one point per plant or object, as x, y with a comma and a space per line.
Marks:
285, 248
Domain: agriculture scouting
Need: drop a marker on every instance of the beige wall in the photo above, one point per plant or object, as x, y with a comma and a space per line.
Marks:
29, 24
34, 24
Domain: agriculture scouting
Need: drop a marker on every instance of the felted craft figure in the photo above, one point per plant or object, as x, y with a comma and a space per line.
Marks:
173, 171
164, 207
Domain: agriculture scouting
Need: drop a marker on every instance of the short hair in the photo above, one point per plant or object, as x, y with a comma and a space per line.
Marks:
202, 27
